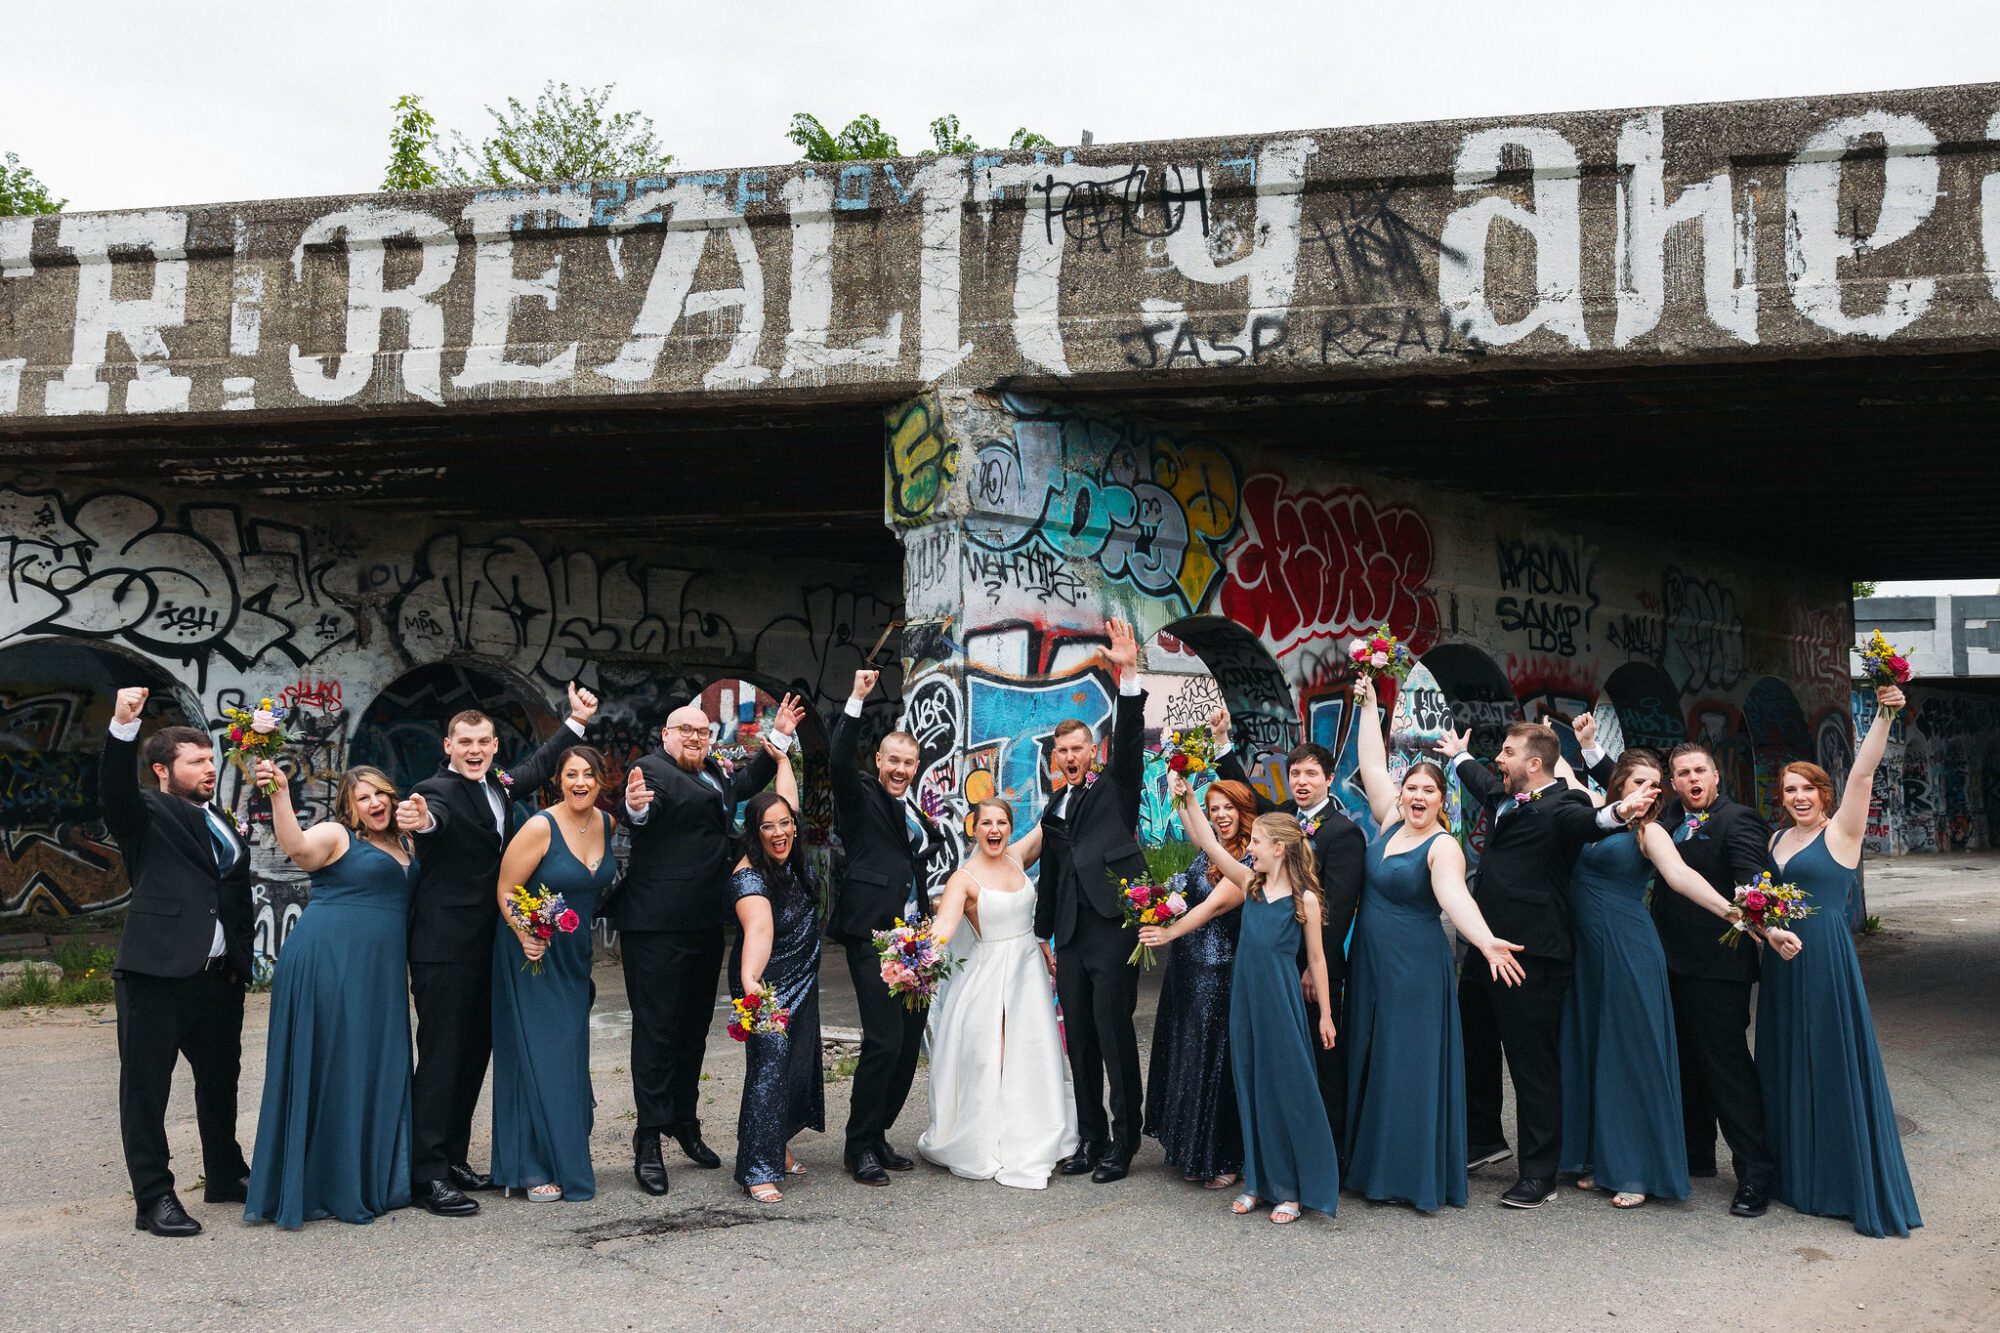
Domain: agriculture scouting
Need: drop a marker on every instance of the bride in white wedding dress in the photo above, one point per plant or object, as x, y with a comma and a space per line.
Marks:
1001, 1104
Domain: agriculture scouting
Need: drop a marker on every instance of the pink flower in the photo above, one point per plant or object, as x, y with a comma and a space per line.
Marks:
1378, 659
506, 778
1176, 904
568, 921
1899, 667
1754, 902
263, 722
1357, 650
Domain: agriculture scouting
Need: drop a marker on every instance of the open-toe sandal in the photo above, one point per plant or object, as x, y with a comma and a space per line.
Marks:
1285, 1214
545, 1194
1221, 1182
1242, 1204
764, 1193
1586, 1182
1627, 1199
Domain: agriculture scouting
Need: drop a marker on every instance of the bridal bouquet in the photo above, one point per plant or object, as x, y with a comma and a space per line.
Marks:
1191, 751
913, 962
1380, 653
1766, 904
758, 1011
543, 915
1149, 905
254, 734
1883, 664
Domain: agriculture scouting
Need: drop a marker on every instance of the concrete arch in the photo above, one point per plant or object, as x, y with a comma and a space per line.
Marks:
1776, 727
1264, 721
401, 731
56, 696
1477, 690
1644, 706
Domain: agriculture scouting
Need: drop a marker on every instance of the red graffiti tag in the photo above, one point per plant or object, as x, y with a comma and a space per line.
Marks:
1320, 564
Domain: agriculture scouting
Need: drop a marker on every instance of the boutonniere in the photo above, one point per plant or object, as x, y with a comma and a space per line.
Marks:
1090, 779
243, 829
506, 778
1524, 797
1310, 827
1694, 822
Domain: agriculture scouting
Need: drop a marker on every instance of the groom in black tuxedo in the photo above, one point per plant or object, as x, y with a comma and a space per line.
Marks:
669, 909
1090, 841
1340, 851
452, 915
1708, 981
183, 959
1538, 826
886, 835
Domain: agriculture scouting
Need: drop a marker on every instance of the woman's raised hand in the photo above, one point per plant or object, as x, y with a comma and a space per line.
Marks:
1889, 696
270, 777
1178, 788
1364, 690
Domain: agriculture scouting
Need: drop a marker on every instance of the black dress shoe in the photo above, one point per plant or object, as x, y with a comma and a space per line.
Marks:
227, 1191
1529, 1193
892, 1159
466, 1179
166, 1218
1486, 1154
1750, 1201
689, 1137
1112, 1166
867, 1168
647, 1168
445, 1199
1083, 1161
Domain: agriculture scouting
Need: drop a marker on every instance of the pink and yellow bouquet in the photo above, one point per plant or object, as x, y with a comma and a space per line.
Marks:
543, 915
914, 964
254, 734
758, 1011
1883, 664
1189, 751
1768, 905
1149, 905
1380, 653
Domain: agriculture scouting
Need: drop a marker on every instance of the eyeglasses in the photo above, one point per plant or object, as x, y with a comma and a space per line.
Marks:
782, 826
689, 731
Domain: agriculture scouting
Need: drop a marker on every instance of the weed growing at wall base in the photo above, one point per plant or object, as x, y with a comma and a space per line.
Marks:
79, 974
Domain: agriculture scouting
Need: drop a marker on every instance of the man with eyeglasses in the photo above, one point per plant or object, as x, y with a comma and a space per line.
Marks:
680, 804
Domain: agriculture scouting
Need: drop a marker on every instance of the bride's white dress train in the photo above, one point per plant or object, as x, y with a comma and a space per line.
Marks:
1001, 1103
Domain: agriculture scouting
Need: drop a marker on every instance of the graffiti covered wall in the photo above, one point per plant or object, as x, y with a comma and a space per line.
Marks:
1246, 573
375, 632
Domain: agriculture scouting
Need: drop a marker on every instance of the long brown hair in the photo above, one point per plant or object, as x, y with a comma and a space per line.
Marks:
1239, 795
348, 814
1444, 789
1631, 761
1301, 868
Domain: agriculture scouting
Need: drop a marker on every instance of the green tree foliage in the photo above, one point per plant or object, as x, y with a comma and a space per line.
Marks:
21, 192
413, 146
568, 134
1864, 589
864, 138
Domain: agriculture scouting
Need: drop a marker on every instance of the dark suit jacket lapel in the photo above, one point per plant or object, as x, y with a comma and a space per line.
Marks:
191, 828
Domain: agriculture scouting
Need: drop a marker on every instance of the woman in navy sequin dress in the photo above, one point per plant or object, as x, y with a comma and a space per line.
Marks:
777, 908
1190, 1095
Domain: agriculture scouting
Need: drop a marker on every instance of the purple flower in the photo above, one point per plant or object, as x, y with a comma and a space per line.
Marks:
242, 828
506, 778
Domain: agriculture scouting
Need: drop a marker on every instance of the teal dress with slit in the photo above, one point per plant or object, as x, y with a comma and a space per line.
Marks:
543, 1108
1826, 1098
333, 1134
1288, 1150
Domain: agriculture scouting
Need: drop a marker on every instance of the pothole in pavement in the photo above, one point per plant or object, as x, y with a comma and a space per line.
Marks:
703, 1218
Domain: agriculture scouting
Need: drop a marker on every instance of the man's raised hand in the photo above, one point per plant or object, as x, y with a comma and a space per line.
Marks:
582, 704
131, 701
1585, 727
864, 684
1454, 743
791, 711
1218, 726
637, 794
1124, 648
413, 813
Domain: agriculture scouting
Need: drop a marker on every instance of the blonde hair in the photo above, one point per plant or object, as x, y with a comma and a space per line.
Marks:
347, 812
1301, 867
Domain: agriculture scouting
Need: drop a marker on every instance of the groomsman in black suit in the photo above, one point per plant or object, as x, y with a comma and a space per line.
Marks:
452, 916
1709, 982
1340, 850
1539, 824
183, 959
887, 836
1090, 841
680, 804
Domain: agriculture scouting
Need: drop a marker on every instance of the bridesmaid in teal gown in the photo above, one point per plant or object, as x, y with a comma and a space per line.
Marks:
543, 1107
1622, 1127
333, 1135
1289, 1158
1826, 1098
1405, 1062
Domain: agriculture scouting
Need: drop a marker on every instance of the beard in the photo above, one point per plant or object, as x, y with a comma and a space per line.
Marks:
189, 793
691, 763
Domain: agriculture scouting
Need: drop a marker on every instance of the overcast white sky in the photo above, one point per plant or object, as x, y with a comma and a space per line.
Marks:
118, 104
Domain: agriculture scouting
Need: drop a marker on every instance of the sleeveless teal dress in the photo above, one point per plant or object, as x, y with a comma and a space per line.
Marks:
333, 1135
1621, 1073
1405, 1057
1826, 1099
543, 1108
1288, 1150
